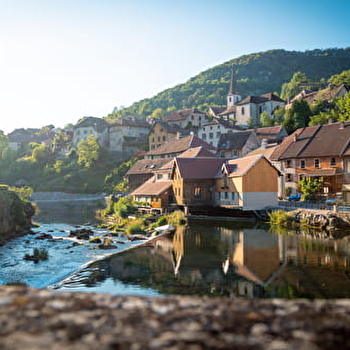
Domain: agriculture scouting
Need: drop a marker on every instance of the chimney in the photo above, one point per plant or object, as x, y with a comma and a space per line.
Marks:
264, 144
341, 126
178, 135
295, 137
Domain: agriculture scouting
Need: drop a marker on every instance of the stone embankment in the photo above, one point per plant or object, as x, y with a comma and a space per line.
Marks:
32, 319
325, 219
65, 197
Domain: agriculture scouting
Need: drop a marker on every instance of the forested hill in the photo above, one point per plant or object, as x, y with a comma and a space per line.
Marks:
256, 74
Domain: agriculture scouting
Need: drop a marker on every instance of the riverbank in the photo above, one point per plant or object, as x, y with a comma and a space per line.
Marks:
42, 319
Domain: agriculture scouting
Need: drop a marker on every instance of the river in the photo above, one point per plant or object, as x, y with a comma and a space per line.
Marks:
205, 258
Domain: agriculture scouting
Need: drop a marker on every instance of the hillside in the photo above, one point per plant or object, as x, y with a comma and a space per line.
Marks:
256, 74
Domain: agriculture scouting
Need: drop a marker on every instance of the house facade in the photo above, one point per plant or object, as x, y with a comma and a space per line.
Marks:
321, 151
187, 118
237, 144
250, 183
127, 135
212, 131
91, 126
162, 132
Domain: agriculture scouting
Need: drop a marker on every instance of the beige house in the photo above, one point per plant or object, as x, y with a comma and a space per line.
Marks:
187, 118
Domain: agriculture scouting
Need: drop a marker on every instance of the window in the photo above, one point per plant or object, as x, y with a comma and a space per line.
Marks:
159, 176
152, 139
242, 110
226, 195
218, 134
289, 177
197, 192
317, 163
211, 135
235, 152
288, 163
163, 138
158, 138
302, 164
204, 136
333, 161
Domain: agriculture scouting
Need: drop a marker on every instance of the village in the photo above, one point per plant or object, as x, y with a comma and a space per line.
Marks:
215, 160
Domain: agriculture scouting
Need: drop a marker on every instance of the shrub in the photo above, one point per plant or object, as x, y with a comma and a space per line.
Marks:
135, 227
161, 221
38, 255
177, 218
279, 217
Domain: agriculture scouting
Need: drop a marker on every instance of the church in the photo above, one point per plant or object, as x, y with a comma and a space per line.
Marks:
247, 111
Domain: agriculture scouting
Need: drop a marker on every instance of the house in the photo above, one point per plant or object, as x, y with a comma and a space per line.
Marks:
162, 132
19, 138
143, 170
237, 144
157, 170
215, 112
272, 134
176, 146
321, 151
193, 180
249, 109
128, 135
249, 183
211, 132
91, 126
330, 93
187, 118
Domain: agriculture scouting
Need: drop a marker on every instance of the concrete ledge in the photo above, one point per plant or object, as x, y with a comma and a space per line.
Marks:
32, 319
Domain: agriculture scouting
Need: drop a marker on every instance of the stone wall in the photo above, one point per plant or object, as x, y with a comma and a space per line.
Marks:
44, 319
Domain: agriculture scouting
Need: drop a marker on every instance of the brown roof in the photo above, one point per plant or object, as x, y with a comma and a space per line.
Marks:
197, 152
316, 141
240, 166
170, 128
152, 188
181, 115
231, 109
267, 152
260, 99
176, 146
271, 133
234, 140
146, 166
198, 168
217, 110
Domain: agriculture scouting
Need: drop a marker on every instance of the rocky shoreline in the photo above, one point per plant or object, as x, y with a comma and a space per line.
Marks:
43, 319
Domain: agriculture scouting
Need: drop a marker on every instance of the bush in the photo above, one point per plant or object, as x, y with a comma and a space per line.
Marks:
161, 221
38, 255
279, 217
177, 218
135, 228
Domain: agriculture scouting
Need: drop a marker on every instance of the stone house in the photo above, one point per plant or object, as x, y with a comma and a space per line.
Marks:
237, 144
212, 131
128, 135
91, 126
191, 118
162, 132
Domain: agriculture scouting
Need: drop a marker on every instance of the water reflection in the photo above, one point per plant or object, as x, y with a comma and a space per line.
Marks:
226, 260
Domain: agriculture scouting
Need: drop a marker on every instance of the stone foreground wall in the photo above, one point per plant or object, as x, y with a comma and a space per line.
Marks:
31, 319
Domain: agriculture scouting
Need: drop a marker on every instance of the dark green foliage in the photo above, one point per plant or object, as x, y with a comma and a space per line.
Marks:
298, 116
39, 254
124, 207
161, 221
256, 74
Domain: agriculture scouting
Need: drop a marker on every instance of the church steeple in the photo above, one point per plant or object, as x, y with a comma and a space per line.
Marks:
233, 95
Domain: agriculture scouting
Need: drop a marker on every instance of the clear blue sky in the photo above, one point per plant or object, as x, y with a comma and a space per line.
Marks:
64, 59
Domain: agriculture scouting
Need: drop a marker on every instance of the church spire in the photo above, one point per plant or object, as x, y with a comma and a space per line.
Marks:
233, 84
233, 95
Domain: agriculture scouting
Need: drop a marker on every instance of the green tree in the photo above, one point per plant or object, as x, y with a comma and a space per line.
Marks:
342, 108
88, 151
298, 116
266, 120
309, 186
291, 89
342, 78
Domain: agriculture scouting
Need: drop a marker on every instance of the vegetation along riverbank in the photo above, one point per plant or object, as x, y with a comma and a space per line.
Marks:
15, 214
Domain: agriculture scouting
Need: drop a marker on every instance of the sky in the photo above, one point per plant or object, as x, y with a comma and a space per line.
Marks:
63, 60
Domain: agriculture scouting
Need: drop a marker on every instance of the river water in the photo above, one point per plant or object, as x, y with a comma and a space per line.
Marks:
205, 258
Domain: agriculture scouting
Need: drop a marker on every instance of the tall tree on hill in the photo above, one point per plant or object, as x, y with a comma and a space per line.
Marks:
292, 88
298, 116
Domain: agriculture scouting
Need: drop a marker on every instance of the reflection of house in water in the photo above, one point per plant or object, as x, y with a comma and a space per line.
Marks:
257, 258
